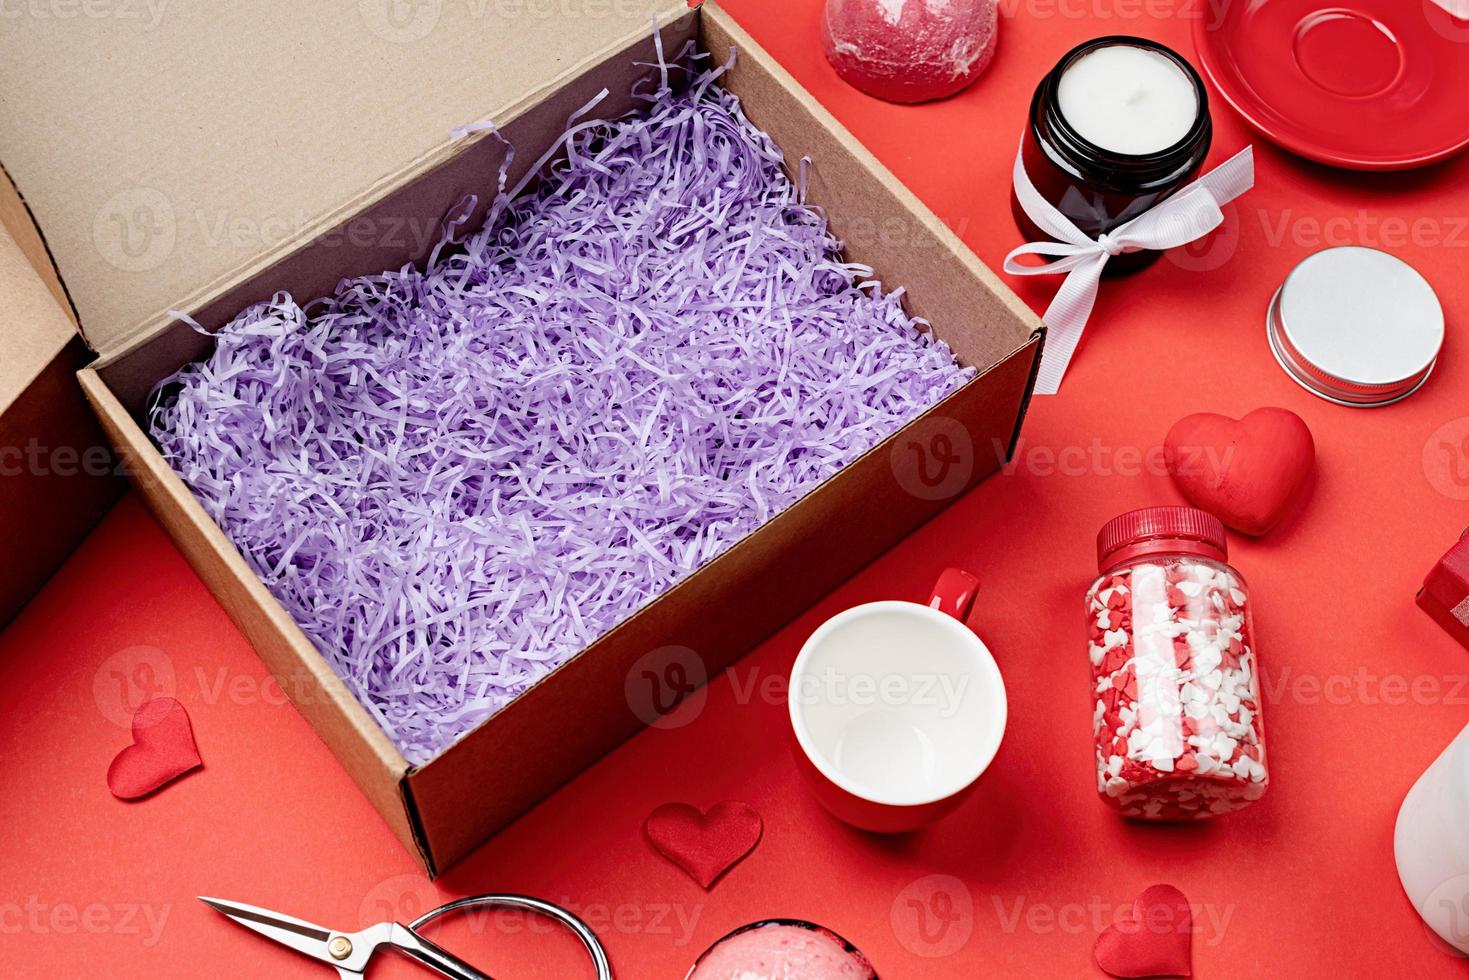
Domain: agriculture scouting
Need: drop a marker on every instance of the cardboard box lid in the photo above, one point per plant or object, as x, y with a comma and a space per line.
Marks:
34, 325
168, 150
52, 485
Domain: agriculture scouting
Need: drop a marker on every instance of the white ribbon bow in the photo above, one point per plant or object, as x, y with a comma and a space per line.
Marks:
1185, 216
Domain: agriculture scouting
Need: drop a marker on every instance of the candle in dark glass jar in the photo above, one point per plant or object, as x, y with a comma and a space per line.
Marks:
1117, 126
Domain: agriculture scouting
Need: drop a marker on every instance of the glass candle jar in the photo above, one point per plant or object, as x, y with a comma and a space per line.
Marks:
1118, 125
1175, 673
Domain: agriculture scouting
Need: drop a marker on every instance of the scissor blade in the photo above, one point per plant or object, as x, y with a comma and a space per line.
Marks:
303, 937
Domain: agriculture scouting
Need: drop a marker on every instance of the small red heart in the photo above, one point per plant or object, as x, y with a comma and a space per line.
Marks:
163, 749
1154, 939
1247, 473
705, 845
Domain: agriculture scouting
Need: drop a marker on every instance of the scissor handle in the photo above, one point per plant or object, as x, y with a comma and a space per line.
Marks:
420, 950
579, 928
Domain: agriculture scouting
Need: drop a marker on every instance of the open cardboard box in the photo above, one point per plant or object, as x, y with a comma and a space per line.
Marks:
364, 169
57, 474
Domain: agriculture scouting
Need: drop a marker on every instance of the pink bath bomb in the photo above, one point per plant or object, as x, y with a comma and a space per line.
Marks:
910, 50
782, 951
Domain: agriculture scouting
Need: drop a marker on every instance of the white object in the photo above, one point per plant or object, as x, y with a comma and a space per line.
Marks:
1431, 844
1128, 99
1183, 217
1356, 326
897, 703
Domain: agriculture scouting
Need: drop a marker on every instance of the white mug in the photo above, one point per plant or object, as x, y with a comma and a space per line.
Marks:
897, 709
1431, 844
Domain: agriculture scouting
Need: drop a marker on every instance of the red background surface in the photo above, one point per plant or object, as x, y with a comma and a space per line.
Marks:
1300, 885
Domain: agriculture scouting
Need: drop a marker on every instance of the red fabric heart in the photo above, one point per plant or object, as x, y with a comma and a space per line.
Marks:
163, 749
705, 845
1247, 473
1154, 939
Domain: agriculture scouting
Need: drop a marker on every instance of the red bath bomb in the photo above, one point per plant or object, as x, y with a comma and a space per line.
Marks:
1248, 473
909, 50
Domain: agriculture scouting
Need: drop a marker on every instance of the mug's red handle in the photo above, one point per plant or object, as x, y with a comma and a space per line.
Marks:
954, 593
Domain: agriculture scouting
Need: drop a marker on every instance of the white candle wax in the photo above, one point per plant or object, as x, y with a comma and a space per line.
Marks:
1128, 99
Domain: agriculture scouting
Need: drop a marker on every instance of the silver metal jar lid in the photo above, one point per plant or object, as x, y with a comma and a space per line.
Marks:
1356, 326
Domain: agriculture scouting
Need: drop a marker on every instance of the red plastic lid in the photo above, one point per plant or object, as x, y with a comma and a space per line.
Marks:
1159, 530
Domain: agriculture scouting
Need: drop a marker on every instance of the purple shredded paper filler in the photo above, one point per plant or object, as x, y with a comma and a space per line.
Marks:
456, 479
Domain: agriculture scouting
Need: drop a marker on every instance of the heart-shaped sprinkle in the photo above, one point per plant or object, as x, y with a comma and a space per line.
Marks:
1154, 939
1247, 473
163, 749
704, 845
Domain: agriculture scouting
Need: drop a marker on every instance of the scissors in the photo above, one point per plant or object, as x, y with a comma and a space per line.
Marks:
350, 952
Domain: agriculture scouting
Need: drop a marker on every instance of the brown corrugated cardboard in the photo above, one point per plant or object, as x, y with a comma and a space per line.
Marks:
170, 153
499, 770
57, 475
21, 227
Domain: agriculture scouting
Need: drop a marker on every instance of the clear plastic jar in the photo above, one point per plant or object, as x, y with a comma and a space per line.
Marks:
1175, 673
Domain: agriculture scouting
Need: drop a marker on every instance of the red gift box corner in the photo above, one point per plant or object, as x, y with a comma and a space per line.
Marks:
1445, 592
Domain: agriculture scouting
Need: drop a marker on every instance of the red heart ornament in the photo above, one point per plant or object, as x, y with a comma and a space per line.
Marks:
163, 749
1247, 473
1153, 940
704, 845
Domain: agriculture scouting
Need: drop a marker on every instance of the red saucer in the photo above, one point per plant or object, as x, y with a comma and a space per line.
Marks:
1365, 84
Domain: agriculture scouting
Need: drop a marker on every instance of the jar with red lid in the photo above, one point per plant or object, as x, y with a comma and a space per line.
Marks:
1175, 672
